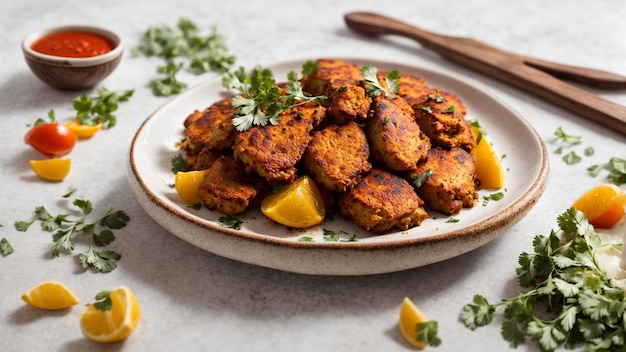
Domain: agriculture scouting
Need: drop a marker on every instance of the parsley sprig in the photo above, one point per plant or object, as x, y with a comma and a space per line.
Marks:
65, 229
99, 109
261, 100
562, 275
375, 88
103, 300
5, 247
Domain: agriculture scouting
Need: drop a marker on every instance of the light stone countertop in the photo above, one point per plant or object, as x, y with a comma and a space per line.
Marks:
192, 300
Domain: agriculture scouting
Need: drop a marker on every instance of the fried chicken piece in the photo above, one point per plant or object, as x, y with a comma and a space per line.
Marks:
337, 156
395, 139
329, 70
451, 186
382, 201
412, 88
346, 102
227, 188
272, 151
444, 123
211, 127
203, 160
439, 95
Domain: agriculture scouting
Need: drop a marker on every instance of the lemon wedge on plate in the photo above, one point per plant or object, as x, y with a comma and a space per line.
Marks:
298, 204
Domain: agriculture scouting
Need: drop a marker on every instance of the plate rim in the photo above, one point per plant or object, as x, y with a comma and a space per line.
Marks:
487, 229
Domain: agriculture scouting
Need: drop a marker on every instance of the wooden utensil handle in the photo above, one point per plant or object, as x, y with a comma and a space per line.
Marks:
519, 71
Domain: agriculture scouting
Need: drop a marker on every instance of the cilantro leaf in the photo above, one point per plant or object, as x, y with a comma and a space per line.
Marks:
99, 109
103, 261
427, 331
231, 222
374, 87
103, 301
5, 247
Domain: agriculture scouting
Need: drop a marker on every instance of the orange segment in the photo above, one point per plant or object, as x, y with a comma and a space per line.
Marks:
83, 131
489, 169
50, 295
298, 204
603, 205
51, 169
115, 324
410, 316
187, 185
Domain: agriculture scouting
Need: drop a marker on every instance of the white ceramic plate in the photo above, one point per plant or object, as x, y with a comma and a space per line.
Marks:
261, 242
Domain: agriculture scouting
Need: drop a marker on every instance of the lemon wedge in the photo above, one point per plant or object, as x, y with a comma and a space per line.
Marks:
187, 185
51, 169
298, 205
115, 324
489, 169
51, 295
83, 131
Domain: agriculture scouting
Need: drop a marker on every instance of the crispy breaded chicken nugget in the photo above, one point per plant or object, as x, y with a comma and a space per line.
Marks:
395, 139
272, 151
451, 186
346, 102
382, 201
212, 127
337, 156
444, 123
228, 188
329, 70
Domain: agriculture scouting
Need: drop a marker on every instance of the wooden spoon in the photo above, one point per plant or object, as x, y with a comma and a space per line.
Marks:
535, 76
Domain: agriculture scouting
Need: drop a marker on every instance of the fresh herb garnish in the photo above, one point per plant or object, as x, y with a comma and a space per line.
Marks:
204, 53
616, 168
427, 109
103, 301
373, 85
563, 276
231, 222
168, 85
99, 109
178, 163
449, 110
5, 247
493, 197
419, 180
572, 158
306, 239
332, 236
66, 229
565, 138
427, 332
452, 219
261, 101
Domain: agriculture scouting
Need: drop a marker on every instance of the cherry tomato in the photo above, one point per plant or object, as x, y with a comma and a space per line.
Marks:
51, 139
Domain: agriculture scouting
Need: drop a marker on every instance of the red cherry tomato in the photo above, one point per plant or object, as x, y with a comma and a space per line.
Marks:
51, 139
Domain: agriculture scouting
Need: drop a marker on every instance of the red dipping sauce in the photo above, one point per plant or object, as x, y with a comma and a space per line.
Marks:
73, 44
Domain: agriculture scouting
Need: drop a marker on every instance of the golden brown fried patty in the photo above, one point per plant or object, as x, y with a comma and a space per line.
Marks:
382, 201
337, 156
329, 70
412, 88
212, 127
228, 188
444, 123
394, 137
272, 151
203, 160
346, 102
451, 186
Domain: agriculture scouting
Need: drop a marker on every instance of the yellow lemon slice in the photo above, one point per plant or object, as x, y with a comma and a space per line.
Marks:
489, 169
50, 295
603, 205
51, 169
410, 316
298, 204
115, 324
83, 131
187, 185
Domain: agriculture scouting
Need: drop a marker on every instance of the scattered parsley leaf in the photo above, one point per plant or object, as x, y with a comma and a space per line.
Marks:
493, 197
332, 236
5, 247
179, 163
427, 109
99, 109
419, 180
449, 110
306, 239
373, 85
168, 85
22, 226
452, 219
427, 332
566, 138
589, 151
617, 169
103, 301
572, 158
561, 274
231, 222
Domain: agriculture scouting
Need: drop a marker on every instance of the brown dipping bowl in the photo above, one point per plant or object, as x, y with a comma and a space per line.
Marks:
73, 73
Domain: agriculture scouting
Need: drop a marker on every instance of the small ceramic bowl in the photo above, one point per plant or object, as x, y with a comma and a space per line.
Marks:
68, 72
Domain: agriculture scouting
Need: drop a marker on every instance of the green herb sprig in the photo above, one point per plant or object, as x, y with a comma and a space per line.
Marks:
103, 301
5, 247
261, 101
373, 85
99, 109
65, 229
563, 276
